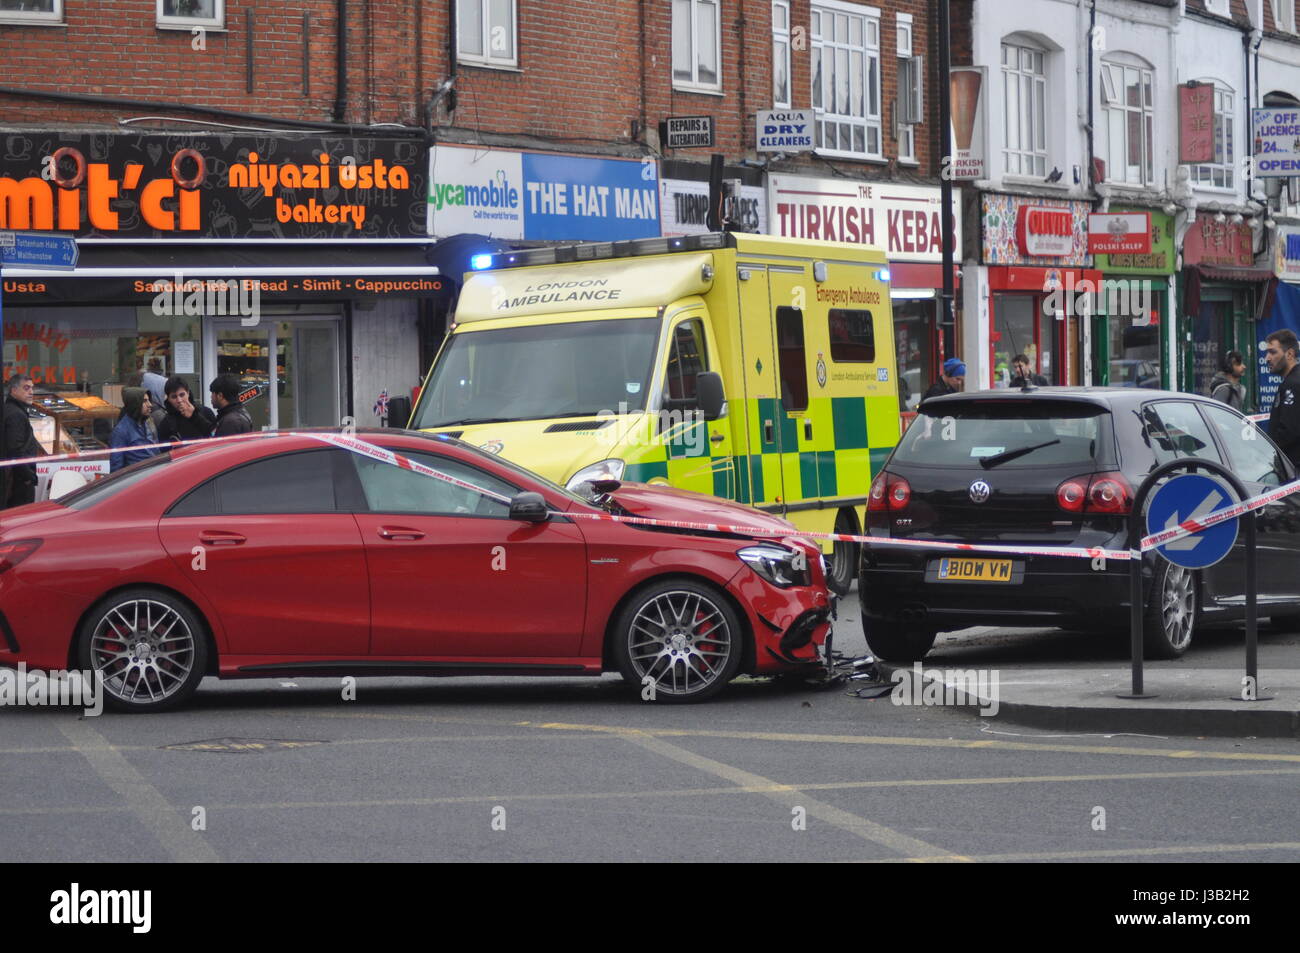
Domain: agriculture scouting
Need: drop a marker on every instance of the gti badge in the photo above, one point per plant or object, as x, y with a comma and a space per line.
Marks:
979, 491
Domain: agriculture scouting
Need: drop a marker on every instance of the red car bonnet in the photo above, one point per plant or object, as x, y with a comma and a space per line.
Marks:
669, 503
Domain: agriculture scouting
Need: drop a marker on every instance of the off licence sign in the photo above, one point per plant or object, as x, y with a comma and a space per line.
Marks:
687, 132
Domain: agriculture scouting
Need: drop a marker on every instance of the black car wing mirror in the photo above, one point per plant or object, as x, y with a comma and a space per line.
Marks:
529, 507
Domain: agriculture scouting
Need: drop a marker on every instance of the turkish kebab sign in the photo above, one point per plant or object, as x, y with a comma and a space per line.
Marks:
212, 186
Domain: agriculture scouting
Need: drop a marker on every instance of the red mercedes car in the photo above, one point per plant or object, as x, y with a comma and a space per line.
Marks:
286, 555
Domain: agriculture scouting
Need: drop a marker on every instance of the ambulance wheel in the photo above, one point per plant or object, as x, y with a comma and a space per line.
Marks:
844, 556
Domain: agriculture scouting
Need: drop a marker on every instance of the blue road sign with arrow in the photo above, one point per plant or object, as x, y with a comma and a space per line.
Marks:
1192, 496
33, 250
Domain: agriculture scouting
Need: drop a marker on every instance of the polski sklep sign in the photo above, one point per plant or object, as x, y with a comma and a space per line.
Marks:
541, 196
1276, 131
784, 130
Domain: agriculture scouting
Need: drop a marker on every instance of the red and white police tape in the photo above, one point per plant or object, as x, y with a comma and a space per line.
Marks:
370, 450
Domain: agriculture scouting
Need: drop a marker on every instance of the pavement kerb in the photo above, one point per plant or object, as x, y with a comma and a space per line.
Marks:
1100, 710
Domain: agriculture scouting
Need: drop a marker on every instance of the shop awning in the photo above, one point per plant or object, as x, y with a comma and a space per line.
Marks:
1261, 276
136, 273
1219, 273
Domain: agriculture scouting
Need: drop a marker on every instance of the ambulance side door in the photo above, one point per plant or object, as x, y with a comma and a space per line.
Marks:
756, 431
807, 436
698, 451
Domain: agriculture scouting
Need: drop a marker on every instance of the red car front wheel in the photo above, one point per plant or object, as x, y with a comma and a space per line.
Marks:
678, 641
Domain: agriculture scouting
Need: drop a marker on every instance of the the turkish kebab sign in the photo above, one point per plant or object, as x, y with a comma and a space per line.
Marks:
212, 186
901, 219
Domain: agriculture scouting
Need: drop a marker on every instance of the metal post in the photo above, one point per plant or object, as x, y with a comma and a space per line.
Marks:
947, 320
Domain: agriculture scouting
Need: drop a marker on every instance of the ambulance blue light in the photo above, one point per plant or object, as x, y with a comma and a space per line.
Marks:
479, 262
883, 275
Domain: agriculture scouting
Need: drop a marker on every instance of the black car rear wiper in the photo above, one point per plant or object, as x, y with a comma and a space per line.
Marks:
989, 462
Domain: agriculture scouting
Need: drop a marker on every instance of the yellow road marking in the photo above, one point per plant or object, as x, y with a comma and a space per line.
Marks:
763, 788
145, 801
1097, 854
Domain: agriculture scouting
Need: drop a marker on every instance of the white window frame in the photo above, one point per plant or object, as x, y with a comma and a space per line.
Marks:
487, 58
869, 122
781, 41
176, 22
1114, 103
1220, 8
34, 17
903, 33
1204, 174
694, 84
1283, 15
910, 83
1031, 162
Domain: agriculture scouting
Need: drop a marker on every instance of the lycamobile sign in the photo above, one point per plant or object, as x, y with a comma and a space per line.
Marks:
486, 199
541, 196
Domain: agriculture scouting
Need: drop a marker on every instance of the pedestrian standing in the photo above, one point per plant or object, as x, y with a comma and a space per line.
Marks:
132, 435
1226, 385
153, 381
19, 442
951, 380
232, 418
182, 419
1284, 419
1022, 374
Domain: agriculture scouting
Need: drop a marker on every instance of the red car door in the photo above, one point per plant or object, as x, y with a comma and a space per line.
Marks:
452, 577
281, 560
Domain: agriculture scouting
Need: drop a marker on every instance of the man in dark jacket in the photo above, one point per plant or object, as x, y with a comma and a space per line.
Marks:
1226, 385
1022, 373
1284, 419
951, 379
132, 431
232, 418
19, 441
183, 420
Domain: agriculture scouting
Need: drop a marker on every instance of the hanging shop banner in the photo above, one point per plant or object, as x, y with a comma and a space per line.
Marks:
1276, 131
1025, 231
225, 296
151, 186
901, 219
1126, 233
1195, 122
535, 196
1157, 260
967, 85
1210, 242
1286, 254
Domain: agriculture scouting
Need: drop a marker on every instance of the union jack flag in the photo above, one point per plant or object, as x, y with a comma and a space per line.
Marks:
381, 405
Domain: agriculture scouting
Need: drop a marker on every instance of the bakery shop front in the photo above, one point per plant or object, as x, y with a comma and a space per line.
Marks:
295, 262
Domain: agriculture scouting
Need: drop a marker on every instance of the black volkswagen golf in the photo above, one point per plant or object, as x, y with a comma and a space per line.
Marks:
1059, 466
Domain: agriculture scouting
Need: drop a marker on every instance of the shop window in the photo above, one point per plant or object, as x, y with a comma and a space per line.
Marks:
486, 32
793, 359
1218, 174
853, 338
187, 14
1013, 333
1024, 87
914, 340
1127, 97
687, 359
31, 11
846, 80
781, 53
697, 44
1134, 354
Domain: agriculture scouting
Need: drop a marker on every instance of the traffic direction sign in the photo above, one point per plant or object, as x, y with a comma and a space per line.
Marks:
1192, 496
35, 250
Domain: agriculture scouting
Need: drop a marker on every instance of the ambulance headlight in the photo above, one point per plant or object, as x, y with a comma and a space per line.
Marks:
778, 565
605, 470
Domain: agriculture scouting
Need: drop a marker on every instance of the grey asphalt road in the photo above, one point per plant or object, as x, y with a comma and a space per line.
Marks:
566, 769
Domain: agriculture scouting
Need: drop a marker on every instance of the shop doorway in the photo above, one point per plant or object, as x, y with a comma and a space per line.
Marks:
1024, 324
288, 370
1211, 339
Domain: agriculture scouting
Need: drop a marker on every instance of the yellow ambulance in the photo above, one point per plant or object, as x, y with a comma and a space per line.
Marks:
751, 367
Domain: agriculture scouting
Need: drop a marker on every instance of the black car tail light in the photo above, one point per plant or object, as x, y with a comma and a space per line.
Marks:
1102, 493
888, 492
11, 554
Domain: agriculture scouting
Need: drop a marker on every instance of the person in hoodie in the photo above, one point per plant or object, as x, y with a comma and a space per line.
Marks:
132, 431
182, 418
1226, 385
